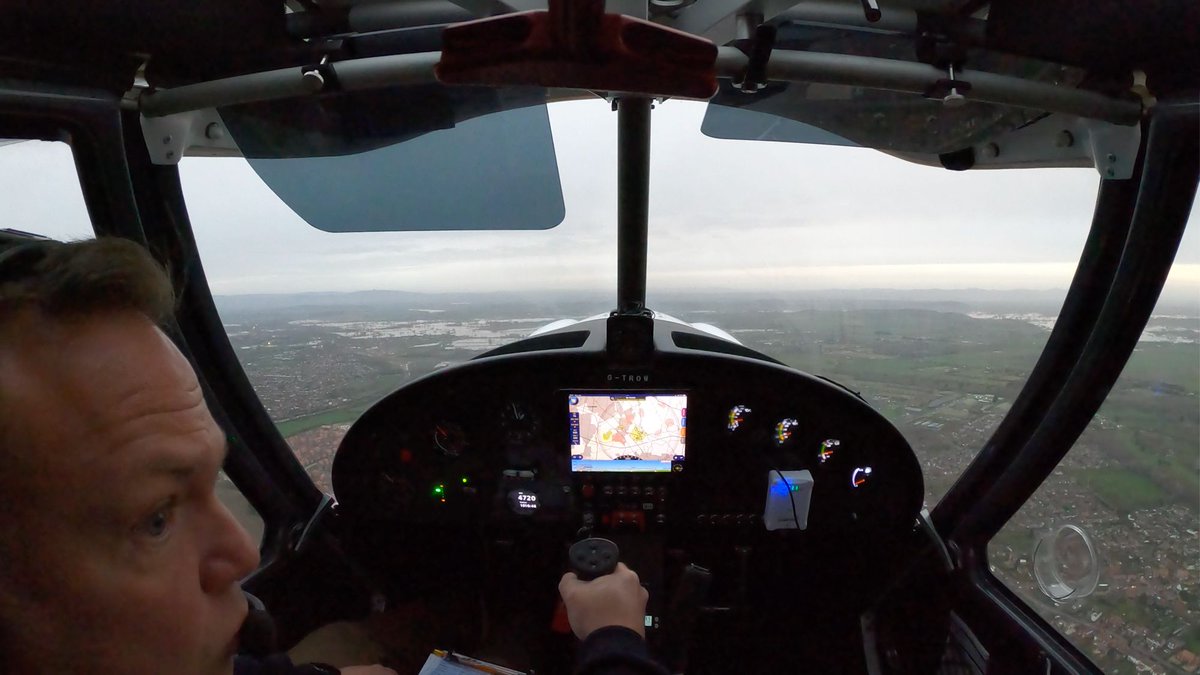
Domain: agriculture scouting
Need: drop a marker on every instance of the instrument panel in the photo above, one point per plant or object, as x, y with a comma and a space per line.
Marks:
545, 439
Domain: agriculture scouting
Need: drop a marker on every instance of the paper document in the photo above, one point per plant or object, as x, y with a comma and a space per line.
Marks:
446, 663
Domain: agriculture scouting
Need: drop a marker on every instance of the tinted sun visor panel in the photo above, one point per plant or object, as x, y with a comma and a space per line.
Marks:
414, 158
898, 122
748, 123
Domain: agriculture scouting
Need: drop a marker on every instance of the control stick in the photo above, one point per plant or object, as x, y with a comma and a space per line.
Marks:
691, 595
593, 557
257, 634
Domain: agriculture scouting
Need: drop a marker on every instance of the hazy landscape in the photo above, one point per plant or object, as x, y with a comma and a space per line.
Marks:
943, 366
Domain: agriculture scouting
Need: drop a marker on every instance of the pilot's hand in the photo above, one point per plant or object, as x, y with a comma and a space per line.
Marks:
616, 599
367, 670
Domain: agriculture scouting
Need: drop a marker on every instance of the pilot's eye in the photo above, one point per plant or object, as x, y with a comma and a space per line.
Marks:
158, 524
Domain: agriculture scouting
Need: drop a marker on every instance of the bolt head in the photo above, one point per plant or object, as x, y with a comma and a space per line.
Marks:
313, 80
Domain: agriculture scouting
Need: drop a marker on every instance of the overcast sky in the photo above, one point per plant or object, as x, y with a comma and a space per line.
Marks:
724, 215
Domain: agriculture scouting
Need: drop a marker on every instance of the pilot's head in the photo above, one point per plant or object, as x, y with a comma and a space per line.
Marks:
115, 554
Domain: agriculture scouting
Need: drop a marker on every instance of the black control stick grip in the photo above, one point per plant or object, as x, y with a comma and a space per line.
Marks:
257, 635
593, 557
691, 594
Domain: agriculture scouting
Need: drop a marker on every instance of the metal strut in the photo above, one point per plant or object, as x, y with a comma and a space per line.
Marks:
633, 201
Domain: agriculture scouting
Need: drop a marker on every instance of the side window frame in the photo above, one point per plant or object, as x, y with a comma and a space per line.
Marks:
1166, 185
95, 128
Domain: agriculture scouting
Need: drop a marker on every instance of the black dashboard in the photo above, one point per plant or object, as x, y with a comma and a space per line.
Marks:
788, 491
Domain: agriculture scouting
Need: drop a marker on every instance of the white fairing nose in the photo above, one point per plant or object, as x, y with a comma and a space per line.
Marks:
660, 316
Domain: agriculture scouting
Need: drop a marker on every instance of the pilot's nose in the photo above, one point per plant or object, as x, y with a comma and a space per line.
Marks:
231, 553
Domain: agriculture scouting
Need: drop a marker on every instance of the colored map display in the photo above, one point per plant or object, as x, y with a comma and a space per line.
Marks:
627, 432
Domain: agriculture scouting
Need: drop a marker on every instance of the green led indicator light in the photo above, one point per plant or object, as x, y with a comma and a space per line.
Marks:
464, 480
439, 490
795, 488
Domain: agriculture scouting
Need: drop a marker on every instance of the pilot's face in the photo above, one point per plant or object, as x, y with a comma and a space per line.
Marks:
117, 556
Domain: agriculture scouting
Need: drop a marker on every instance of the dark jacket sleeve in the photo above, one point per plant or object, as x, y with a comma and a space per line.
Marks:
615, 650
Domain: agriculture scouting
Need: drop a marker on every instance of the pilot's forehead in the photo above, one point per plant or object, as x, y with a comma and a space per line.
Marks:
109, 384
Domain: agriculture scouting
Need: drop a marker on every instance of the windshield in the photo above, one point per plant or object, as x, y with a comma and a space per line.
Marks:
929, 292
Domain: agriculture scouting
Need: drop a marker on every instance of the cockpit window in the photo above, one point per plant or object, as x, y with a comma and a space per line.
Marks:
929, 292
325, 324
1107, 549
52, 204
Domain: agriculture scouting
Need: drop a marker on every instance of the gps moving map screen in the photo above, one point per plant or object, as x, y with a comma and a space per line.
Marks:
624, 431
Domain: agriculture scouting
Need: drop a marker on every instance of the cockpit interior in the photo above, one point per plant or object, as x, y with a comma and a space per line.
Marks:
779, 519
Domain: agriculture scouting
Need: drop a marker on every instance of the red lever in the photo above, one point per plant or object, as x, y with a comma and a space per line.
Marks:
576, 45
560, 623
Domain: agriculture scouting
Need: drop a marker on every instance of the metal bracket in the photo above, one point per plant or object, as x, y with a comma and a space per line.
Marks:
949, 89
758, 52
1143, 92
199, 132
1062, 140
320, 76
942, 52
1113, 148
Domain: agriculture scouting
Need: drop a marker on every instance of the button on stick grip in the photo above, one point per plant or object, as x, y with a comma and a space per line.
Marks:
591, 558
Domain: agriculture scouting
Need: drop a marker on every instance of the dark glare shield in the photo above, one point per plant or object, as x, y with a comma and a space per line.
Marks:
496, 171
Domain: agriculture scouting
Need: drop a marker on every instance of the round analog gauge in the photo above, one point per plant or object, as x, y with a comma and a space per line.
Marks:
519, 424
449, 438
785, 429
737, 417
828, 447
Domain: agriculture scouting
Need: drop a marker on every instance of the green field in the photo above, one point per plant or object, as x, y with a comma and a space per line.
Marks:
1191, 638
1130, 611
1124, 490
364, 396
1157, 363
299, 425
